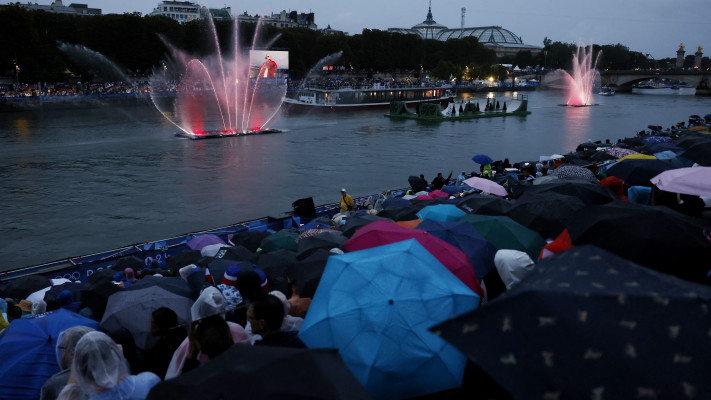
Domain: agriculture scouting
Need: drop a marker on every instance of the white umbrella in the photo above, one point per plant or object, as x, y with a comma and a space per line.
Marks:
39, 295
692, 180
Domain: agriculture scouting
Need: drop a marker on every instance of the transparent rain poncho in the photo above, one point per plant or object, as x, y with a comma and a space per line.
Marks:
211, 302
72, 336
98, 363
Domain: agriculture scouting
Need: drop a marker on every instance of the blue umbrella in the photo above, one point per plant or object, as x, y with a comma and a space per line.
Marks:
375, 307
315, 225
464, 237
28, 352
482, 159
441, 212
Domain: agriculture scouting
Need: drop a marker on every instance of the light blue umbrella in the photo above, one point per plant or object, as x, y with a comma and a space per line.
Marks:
441, 212
376, 305
665, 155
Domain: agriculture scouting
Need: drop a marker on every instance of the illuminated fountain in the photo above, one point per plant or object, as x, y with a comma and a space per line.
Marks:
220, 94
580, 83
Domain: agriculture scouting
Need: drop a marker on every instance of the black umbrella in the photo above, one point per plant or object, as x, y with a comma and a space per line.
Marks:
507, 181
170, 283
484, 204
309, 245
102, 275
265, 372
356, 222
132, 262
237, 253
654, 237
589, 193
306, 275
586, 324
599, 156
274, 265
699, 153
659, 147
182, 259
24, 286
690, 140
638, 172
51, 297
251, 240
545, 212
96, 296
417, 184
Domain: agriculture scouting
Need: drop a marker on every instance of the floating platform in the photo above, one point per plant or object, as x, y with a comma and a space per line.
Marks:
224, 134
457, 111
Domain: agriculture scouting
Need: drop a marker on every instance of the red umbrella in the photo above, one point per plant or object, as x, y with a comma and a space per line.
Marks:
379, 233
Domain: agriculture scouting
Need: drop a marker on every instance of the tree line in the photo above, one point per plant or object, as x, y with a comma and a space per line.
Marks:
32, 39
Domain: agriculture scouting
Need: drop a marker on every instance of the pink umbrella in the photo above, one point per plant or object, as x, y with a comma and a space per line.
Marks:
693, 180
438, 193
380, 233
486, 185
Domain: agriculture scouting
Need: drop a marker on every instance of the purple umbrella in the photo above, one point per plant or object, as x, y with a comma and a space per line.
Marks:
198, 242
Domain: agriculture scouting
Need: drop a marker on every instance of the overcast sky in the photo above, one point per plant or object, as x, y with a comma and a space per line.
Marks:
656, 27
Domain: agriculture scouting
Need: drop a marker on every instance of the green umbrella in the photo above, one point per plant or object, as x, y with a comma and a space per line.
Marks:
505, 233
283, 239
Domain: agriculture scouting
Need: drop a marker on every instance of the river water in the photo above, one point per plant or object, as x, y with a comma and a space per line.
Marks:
83, 180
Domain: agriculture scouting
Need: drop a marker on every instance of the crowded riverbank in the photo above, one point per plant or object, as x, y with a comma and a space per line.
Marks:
584, 209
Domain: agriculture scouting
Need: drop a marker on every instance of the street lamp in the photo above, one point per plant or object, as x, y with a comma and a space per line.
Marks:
17, 73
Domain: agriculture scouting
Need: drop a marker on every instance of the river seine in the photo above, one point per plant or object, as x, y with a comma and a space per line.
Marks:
83, 180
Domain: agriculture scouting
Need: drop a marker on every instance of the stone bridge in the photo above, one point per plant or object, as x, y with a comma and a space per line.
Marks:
625, 79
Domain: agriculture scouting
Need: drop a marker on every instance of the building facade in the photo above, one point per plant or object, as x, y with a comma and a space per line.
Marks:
501, 40
58, 7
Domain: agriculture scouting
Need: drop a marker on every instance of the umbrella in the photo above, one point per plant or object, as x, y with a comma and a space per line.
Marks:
355, 223
505, 233
28, 352
656, 139
375, 306
600, 156
412, 224
507, 181
665, 155
383, 232
659, 147
691, 140
39, 295
395, 202
545, 179
586, 324
23, 286
545, 212
283, 239
274, 265
618, 152
482, 159
441, 212
172, 284
306, 274
638, 172
586, 191
51, 297
200, 241
417, 183
184, 258
132, 262
265, 372
236, 253
464, 237
638, 156
251, 240
132, 310
574, 172
309, 245
486, 185
316, 225
695, 181
484, 204
654, 237
699, 153
97, 294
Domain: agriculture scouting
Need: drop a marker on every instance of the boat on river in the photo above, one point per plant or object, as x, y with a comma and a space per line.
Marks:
364, 98
607, 91
461, 110
663, 88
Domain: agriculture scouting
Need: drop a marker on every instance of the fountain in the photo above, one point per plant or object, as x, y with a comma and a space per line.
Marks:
579, 84
219, 95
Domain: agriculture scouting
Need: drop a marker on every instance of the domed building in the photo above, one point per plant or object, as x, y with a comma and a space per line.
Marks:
501, 40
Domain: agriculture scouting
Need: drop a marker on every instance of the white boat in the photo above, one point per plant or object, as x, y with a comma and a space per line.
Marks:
349, 99
607, 91
664, 89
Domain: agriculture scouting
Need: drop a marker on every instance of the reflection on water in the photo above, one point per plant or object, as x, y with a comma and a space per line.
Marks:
86, 180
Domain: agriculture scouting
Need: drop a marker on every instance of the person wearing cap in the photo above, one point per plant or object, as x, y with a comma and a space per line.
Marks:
228, 287
346, 201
